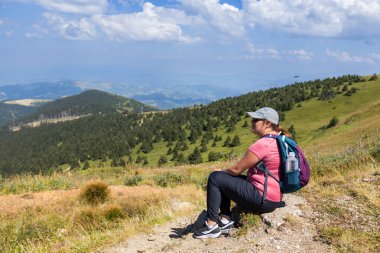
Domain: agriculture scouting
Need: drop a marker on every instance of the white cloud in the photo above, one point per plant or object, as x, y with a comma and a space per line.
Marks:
346, 57
37, 32
328, 18
152, 24
1, 22
300, 54
223, 17
261, 52
74, 29
74, 6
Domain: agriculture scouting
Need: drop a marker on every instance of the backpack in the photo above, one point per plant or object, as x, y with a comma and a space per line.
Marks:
299, 178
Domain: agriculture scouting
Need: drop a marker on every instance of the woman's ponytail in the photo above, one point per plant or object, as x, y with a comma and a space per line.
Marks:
285, 132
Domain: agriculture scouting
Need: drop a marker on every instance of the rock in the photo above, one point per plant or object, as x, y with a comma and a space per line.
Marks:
177, 205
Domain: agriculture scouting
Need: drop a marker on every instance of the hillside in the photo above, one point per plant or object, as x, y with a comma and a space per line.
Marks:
205, 133
148, 209
9, 113
87, 102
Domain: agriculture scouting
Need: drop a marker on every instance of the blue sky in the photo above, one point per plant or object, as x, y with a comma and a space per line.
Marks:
244, 45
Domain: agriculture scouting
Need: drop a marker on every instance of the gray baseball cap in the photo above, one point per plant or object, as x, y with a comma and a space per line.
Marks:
267, 113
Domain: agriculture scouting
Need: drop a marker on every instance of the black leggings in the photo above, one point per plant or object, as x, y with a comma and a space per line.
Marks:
223, 187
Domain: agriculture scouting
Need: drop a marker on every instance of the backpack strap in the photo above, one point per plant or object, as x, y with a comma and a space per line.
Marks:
262, 167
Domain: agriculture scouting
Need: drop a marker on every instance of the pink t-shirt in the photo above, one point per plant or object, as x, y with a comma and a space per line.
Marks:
267, 151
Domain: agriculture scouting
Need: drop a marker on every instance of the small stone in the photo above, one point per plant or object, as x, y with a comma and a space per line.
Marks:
269, 231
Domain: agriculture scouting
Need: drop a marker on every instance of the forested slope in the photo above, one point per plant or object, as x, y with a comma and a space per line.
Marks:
179, 136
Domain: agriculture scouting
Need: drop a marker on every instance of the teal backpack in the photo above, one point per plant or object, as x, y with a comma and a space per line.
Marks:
293, 180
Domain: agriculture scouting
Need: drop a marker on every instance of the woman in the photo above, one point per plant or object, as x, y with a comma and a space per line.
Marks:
247, 191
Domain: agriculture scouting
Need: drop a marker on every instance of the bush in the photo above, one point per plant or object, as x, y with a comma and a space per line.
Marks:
132, 181
214, 156
333, 122
168, 179
113, 212
95, 192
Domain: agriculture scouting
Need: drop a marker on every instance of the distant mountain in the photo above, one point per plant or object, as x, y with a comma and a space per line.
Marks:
164, 97
87, 102
40, 90
165, 102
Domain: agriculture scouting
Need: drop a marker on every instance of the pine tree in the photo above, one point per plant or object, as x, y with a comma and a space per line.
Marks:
373, 77
235, 141
162, 160
227, 142
170, 151
180, 159
204, 147
195, 157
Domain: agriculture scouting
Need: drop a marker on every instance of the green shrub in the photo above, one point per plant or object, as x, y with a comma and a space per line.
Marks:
168, 179
214, 156
95, 192
248, 221
333, 122
132, 181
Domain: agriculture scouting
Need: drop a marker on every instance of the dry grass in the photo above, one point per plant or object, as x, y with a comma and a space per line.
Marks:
344, 189
55, 221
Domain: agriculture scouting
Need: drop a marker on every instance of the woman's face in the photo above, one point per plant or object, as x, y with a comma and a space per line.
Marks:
260, 126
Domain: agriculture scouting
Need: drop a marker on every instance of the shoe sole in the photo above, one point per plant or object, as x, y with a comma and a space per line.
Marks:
216, 235
226, 231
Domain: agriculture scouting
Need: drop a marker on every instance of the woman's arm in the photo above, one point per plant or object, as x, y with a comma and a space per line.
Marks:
249, 160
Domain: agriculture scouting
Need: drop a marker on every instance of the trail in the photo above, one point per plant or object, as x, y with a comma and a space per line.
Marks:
288, 229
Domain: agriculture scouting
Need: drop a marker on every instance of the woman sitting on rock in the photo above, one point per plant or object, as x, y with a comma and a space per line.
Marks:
246, 191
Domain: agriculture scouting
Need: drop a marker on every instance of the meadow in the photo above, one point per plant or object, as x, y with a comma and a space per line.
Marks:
51, 213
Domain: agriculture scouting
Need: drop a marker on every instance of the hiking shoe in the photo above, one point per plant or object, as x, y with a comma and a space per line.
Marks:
226, 227
207, 232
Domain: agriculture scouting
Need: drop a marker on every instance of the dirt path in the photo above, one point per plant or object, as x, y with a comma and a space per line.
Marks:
288, 229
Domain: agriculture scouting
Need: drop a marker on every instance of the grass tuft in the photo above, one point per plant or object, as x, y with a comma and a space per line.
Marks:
95, 192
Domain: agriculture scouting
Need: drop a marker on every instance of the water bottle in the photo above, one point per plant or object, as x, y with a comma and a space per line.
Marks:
291, 162
292, 169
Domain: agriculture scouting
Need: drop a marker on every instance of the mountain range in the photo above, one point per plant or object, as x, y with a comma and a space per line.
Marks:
160, 97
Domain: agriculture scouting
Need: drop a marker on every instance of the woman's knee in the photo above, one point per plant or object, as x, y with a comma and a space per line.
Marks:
216, 176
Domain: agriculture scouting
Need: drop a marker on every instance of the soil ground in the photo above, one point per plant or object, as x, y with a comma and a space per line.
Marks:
288, 229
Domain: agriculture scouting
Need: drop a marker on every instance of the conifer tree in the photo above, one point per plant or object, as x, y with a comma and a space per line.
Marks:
195, 157
162, 160
235, 141
227, 142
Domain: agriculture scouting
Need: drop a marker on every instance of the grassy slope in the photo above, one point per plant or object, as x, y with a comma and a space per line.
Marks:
307, 119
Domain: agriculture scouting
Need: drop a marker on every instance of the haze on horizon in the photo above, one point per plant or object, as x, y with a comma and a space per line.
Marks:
243, 45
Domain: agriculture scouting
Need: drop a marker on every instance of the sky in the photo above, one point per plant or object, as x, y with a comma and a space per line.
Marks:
242, 45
